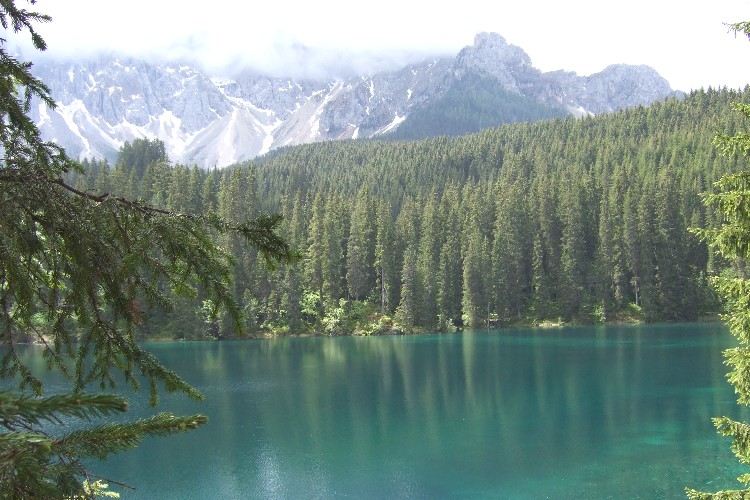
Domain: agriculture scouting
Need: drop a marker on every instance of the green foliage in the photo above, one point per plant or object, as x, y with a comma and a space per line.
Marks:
34, 462
574, 214
731, 240
334, 319
473, 103
80, 272
97, 489
140, 154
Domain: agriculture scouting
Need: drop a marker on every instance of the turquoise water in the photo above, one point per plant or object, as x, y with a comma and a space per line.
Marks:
579, 412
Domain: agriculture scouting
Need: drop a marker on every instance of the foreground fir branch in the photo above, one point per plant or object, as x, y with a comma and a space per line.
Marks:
95, 265
37, 463
77, 271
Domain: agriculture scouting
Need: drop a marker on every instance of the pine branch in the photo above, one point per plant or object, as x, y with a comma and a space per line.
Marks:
34, 463
15, 407
101, 441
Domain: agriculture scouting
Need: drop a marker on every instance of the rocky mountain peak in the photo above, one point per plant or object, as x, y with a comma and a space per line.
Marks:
217, 122
493, 48
492, 55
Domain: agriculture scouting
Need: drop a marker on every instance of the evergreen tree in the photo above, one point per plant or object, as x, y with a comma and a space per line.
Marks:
360, 253
37, 463
428, 261
632, 244
546, 250
333, 249
85, 262
407, 225
646, 253
385, 259
573, 259
450, 278
605, 266
406, 313
672, 284
616, 231
313, 260
292, 282
209, 196
508, 259
236, 200
476, 296
141, 153
732, 241
541, 300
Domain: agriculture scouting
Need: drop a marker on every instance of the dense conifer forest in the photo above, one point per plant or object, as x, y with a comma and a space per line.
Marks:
567, 220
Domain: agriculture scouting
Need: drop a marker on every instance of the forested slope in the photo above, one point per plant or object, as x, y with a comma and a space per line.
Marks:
471, 104
571, 219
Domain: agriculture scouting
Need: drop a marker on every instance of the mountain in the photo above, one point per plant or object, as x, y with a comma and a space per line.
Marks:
218, 122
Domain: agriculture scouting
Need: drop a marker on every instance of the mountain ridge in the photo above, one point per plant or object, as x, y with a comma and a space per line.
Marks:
215, 122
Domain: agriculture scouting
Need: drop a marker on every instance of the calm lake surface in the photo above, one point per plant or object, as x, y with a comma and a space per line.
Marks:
576, 412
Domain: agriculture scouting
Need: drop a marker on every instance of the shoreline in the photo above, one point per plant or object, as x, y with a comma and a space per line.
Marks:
270, 335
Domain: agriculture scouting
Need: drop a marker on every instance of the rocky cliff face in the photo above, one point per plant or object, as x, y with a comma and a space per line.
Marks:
217, 122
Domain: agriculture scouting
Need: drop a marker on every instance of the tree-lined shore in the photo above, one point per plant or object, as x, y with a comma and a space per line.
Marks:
569, 220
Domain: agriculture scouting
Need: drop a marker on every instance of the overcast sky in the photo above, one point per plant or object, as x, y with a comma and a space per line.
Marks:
685, 41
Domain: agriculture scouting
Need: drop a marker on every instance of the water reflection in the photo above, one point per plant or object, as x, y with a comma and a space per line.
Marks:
564, 413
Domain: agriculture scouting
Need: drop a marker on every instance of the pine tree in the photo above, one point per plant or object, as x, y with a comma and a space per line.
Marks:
334, 243
141, 153
546, 251
407, 224
672, 286
292, 282
476, 296
87, 263
236, 201
428, 261
385, 259
646, 252
604, 267
360, 253
573, 284
508, 249
36, 463
313, 256
541, 300
732, 241
406, 313
631, 237
450, 276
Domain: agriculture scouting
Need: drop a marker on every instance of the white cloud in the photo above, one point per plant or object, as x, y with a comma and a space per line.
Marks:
685, 41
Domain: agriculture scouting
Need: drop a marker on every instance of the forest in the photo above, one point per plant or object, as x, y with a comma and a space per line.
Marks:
471, 104
568, 220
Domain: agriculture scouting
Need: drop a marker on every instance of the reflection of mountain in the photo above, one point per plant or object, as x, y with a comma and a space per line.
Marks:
216, 122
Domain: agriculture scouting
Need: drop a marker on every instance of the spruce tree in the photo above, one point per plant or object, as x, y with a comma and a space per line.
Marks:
428, 262
476, 296
406, 313
385, 259
360, 252
508, 259
313, 256
334, 243
732, 241
89, 265
450, 278
573, 259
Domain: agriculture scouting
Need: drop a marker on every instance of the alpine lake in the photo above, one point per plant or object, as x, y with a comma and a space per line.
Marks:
572, 412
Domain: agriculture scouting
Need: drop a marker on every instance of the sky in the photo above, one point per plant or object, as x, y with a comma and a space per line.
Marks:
687, 41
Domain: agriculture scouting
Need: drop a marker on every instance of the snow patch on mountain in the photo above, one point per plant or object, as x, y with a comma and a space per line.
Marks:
213, 121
